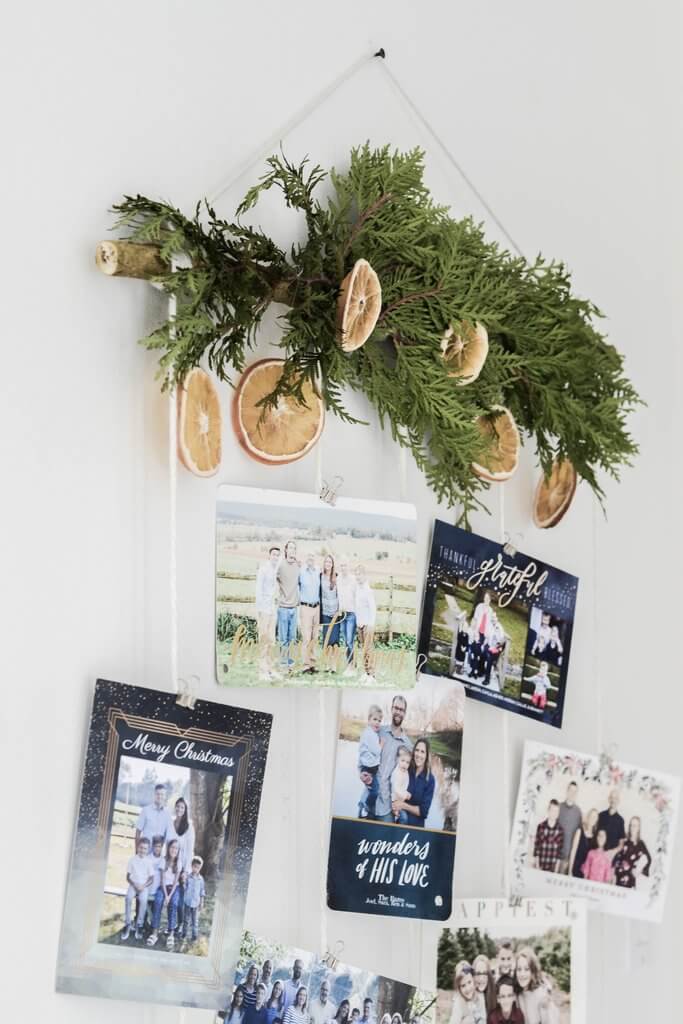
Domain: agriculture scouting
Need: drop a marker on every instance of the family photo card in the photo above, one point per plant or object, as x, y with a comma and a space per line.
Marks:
592, 827
395, 801
524, 963
163, 846
276, 984
314, 594
498, 621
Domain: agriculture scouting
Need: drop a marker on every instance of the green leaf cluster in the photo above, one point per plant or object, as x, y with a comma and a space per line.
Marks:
548, 363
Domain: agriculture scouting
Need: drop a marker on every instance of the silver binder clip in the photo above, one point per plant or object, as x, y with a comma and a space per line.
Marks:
511, 544
330, 492
332, 959
187, 692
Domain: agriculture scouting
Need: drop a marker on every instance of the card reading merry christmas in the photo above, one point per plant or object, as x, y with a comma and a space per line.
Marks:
499, 622
595, 828
523, 963
396, 799
162, 851
309, 593
276, 982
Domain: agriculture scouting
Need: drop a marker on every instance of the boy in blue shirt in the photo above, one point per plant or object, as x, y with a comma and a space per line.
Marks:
195, 891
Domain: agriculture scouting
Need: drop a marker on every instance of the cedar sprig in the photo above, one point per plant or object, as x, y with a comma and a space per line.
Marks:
548, 363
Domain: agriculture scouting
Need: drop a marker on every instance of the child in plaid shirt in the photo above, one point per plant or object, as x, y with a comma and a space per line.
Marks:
194, 898
549, 840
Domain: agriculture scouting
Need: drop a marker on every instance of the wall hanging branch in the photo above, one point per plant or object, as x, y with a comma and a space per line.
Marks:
460, 346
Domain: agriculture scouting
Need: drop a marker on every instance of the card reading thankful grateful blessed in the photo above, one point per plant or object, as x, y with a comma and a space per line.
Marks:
396, 799
522, 962
499, 621
162, 851
309, 593
277, 982
592, 827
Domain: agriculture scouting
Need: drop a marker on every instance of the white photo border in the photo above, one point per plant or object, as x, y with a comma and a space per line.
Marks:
541, 762
549, 913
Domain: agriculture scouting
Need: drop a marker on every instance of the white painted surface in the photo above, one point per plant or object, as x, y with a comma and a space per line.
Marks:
567, 120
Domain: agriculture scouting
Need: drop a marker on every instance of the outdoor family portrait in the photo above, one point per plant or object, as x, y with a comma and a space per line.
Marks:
486, 976
399, 757
280, 985
166, 852
514, 650
308, 592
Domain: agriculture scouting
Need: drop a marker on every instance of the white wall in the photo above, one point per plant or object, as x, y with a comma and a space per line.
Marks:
566, 119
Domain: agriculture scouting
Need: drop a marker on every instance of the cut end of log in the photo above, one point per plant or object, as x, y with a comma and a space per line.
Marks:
129, 259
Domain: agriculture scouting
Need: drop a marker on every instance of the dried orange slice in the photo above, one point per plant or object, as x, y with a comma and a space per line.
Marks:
502, 458
358, 306
464, 354
284, 433
200, 424
554, 495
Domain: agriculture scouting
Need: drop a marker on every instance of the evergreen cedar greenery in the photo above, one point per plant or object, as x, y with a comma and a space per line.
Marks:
563, 383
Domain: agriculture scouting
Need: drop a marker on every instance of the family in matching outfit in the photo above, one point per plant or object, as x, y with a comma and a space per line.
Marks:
324, 607
512, 988
261, 1000
164, 875
398, 784
596, 846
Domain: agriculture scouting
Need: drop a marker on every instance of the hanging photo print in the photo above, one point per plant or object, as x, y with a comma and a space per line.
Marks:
277, 984
312, 593
162, 852
523, 963
395, 801
596, 828
499, 622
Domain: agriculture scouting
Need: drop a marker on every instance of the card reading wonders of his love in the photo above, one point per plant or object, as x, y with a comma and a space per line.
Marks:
396, 799
313, 594
499, 621
592, 827
163, 846
276, 982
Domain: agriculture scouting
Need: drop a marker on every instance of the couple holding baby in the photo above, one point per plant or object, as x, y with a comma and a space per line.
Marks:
398, 785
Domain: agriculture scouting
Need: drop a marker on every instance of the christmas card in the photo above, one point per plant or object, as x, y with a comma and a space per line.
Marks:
272, 979
396, 799
162, 851
313, 593
593, 827
513, 962
499, 621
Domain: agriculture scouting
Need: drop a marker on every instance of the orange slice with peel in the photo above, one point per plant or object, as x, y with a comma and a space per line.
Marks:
358, 306
465, 353
501, 459
280, 434
554, 494
200, 424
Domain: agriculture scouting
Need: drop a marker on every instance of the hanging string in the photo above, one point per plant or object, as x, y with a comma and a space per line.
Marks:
402, 472
172, 519
266, 148
597, 682
323, 818
505, 734
419, 116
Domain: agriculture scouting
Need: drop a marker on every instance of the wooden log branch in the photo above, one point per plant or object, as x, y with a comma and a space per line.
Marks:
130, 259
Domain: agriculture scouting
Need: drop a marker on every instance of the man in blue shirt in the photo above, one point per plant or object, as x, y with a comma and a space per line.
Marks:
155, 819
309, 612
393, 737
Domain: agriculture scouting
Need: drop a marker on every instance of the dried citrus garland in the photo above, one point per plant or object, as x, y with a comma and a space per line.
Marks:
461, 347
